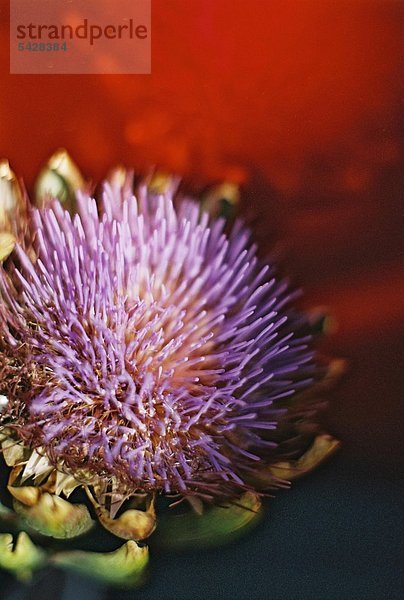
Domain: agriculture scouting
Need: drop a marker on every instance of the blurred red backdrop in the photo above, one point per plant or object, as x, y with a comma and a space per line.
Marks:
300, 101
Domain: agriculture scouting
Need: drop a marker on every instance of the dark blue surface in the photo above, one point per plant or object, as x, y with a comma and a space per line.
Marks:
337, 534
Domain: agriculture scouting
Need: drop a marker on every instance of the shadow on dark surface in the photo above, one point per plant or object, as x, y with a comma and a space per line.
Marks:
335, 535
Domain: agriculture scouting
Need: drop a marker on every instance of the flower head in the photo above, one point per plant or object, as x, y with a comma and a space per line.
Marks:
142, 343
145, 350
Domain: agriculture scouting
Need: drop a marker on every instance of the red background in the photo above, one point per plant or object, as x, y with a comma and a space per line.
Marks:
300, 100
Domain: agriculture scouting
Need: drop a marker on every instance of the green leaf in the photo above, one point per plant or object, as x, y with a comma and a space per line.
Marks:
54, 517
21, 560
216, 526
123, 568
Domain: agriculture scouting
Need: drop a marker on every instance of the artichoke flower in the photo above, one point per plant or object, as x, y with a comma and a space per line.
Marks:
155, 379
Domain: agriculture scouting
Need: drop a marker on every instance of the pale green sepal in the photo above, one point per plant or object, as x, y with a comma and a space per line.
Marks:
23, 559
162, 183
5, 512
323, 447
13, 452
50, 184
60, 178
54, 517
65, 484
216, 526
131, 524
12, 210
123, 568
222, 200
7, 244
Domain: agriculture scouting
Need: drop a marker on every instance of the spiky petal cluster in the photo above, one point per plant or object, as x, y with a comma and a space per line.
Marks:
141, 343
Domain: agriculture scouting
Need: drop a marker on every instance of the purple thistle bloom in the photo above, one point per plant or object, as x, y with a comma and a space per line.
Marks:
142, 344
